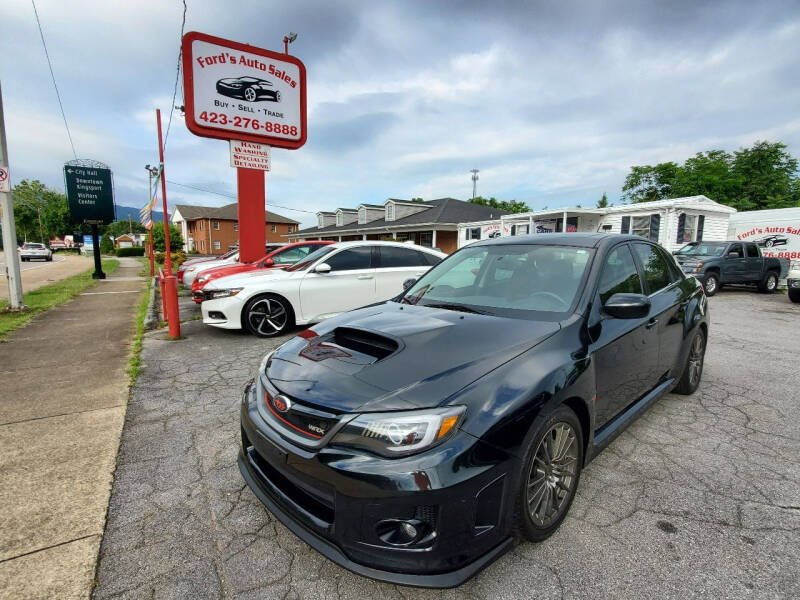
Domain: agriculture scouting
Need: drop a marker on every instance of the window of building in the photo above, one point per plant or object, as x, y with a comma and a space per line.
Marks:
201, 224
274, 228
320, 221
236, 225
216, 225
391, 256
216, 245
362, 215
290, 229
473, 233
426, 239
339, 219
352, 259
689, 228
657, 274
641, 226
390, 211
619, 275
403, 236
202, 244
519, 229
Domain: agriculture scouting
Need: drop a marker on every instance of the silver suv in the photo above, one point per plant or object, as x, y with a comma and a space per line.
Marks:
32, 251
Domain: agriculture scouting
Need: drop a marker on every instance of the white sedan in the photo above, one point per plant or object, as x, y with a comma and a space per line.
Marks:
330, 281
192, 271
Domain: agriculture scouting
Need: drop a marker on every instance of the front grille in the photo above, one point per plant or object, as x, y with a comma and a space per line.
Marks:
309, 423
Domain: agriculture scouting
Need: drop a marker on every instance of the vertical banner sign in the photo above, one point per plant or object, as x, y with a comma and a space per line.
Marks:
90, 194
235, 91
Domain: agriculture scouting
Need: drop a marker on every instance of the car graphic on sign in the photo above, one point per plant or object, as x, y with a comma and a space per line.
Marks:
773, 240
249, 88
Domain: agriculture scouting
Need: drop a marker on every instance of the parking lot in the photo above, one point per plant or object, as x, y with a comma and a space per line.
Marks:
700, 497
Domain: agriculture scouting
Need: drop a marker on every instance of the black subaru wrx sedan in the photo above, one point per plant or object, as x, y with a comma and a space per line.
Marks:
411, 441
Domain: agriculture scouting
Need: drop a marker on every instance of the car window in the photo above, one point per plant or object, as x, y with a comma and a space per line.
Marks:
752, 251
291, 256
351, 259
657, 274
463, 273
619, 274
736, 248
311, 258
429, 259
392, 256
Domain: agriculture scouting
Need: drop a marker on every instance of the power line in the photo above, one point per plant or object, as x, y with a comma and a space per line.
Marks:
52, 75
233, 197
177, 76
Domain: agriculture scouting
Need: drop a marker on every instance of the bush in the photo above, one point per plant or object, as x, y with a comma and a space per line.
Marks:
106, 245
131, 251
178, 258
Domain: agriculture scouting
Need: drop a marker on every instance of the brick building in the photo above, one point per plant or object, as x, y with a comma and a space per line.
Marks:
215, 229
433, 223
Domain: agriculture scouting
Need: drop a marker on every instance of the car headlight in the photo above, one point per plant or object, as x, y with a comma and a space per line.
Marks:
202, 279
401, 433
224, 293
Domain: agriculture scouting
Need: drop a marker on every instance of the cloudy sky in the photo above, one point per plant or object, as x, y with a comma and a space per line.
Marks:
552, 101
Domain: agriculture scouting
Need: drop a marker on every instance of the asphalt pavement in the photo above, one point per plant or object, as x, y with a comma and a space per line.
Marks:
699, 498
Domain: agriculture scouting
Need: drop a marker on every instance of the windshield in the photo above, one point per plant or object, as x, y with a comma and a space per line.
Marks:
700, 249
308, 260
505, 280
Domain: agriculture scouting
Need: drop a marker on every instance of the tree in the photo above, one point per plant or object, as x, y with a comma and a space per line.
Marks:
117, 228
417, 200
39, 212
106, 245
512, 206
762, 176
603, 202
175, 238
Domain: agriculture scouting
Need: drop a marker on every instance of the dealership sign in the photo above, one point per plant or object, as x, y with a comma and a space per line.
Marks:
90, 194
776, 239
235, 91
249, 155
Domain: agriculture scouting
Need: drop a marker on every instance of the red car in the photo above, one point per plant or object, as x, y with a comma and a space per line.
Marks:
282, 257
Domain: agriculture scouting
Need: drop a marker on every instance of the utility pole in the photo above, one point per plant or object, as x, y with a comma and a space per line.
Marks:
39, 211
474, 183
9, 232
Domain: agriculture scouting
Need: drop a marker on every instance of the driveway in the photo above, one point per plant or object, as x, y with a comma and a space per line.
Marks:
700, 497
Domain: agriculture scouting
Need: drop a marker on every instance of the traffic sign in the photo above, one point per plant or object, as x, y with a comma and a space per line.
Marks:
90, 194
236, 91
5, 180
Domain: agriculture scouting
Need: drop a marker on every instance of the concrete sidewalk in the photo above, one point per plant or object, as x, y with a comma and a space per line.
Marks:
62, 405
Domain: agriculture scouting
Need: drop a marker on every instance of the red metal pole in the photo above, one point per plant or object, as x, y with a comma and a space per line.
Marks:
172, 313
150, 249
252, 214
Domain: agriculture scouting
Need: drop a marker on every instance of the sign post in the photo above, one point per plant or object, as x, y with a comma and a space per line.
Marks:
172, 312
90, 196
255, 98
15, 300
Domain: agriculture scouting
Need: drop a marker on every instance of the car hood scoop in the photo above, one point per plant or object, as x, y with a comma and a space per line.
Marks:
396, 357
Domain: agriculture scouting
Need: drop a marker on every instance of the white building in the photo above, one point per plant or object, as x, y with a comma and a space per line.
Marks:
672, 223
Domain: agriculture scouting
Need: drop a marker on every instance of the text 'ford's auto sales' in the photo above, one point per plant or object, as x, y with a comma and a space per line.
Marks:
228, 58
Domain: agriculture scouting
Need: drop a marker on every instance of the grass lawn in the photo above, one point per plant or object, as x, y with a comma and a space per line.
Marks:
135, 361
49, 296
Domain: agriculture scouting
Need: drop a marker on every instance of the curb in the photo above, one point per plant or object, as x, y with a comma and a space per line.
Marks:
151, 319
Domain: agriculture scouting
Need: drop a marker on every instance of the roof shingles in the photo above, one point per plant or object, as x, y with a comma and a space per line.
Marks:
229, 212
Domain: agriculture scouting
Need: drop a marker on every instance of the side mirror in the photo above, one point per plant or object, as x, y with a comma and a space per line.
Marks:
408, 283
627, 306
269, 263
734, 254
322, 268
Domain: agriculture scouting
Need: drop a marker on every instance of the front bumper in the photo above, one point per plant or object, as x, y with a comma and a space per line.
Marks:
333, 499
225, 313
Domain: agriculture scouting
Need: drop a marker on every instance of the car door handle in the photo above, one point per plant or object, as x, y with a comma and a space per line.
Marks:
365, 276
651, 323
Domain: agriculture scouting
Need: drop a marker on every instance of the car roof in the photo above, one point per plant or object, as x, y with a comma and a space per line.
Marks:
355, 243
580, 240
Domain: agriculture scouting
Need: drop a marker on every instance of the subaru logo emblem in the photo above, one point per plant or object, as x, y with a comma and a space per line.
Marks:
282, 403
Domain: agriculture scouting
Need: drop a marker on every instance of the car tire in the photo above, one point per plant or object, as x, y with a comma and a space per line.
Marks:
536, 516
267, 315
769, 284
693, 369
794, 295
711, 284
769, 244
250, 94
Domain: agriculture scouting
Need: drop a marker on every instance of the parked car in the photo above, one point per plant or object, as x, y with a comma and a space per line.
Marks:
719, 263
33, 251
189, 273
195, 261
769, 241
411, 440
332, 280
793, 281
282, 257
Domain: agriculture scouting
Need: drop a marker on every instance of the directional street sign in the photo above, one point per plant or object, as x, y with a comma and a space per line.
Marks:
89, 194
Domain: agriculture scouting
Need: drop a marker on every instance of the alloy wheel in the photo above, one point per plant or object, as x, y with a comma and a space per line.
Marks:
772, 282
696, 355
267, 316
250, 94
711, 285
553, 474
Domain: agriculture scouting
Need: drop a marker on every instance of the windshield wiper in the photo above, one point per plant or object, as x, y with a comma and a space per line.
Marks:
457, 307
